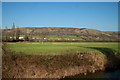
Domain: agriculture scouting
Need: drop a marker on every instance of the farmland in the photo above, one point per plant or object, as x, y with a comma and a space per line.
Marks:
58, 59
63, 47
52, 40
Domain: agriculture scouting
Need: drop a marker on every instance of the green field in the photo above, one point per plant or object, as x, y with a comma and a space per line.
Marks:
63, 47
41, 59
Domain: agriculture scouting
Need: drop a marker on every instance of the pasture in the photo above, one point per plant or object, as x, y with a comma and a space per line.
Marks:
58, 59
63, 47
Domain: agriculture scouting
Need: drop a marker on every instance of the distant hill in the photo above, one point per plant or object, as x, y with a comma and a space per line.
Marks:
67, 34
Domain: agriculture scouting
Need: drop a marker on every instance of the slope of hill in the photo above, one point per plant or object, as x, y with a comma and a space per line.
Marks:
66, 34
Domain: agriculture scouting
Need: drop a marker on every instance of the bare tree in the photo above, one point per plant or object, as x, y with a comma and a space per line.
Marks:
13, 26
6, 34
44, 37
13, 32
17, 34
26, 37
0, 34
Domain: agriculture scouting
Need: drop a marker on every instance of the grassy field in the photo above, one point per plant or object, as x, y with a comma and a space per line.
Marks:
64, 47
84, 57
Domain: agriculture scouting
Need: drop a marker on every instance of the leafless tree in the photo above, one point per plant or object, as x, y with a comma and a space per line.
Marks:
6, 34
13, 32
17, 33
44, 37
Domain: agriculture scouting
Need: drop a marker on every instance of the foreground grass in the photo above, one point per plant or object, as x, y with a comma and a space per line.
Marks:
63, 48
82, 58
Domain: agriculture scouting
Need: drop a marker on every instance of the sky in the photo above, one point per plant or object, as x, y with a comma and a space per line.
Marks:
93, 15
60, 0
0, 15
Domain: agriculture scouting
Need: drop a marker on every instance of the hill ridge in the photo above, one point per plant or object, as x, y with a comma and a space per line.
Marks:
67, 33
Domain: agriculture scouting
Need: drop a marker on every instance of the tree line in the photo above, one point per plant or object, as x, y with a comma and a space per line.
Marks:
12, 35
